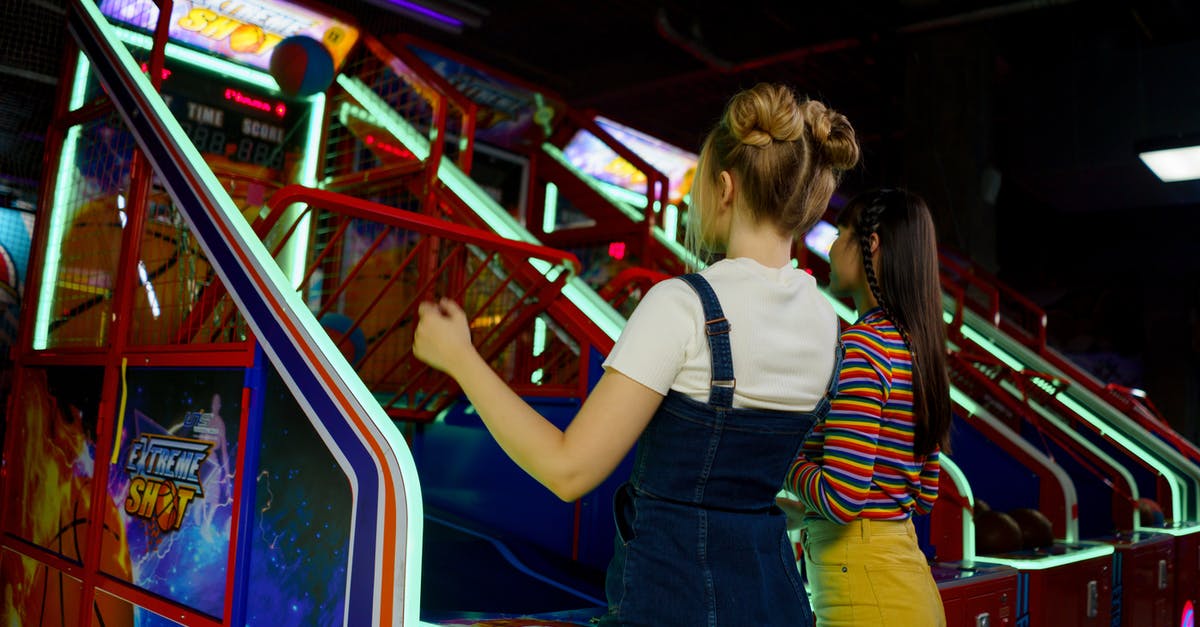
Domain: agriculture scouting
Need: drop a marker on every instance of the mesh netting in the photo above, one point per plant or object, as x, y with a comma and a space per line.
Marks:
89, 205
32, 34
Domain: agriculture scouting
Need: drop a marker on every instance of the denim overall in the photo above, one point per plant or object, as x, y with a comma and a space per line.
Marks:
700, 541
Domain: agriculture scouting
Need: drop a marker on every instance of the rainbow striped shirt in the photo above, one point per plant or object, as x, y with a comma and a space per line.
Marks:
859, 461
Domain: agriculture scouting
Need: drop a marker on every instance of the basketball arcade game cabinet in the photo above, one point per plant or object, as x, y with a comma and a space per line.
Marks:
1107, 480
577, 181
1005, 327
142, 491
986, 451
1062, 579
1187, 548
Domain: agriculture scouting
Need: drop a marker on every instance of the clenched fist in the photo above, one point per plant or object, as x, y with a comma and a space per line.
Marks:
442, 339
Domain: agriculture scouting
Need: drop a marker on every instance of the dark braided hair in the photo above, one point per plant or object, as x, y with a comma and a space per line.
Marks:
907, 286
868, 225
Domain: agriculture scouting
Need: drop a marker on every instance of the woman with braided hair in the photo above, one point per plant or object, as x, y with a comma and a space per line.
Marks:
872, 462
717, 377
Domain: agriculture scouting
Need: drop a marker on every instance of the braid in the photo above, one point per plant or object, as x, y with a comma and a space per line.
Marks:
868, 223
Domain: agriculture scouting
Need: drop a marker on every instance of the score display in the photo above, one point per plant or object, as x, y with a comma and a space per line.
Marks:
213, 140
238, 124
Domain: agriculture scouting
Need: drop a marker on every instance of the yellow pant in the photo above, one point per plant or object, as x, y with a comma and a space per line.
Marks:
869, 572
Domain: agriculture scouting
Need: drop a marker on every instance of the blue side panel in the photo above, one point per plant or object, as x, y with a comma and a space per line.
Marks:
1144, 477
464, 472
1095, 496
1118, 591
299, 547
921, 524
1023, 617
256, 383
597, 529
995, 475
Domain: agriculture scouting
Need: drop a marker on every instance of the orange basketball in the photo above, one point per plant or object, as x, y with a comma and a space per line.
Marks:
165, 513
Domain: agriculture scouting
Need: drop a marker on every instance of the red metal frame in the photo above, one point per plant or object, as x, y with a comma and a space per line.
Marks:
367, 210
1142, 409
610, 222
628, 281
109, 357
443, 88
513, 254
970, 275
965, 373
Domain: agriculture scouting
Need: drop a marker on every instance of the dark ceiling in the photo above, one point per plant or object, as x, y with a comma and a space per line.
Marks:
1048, 89
1048, 94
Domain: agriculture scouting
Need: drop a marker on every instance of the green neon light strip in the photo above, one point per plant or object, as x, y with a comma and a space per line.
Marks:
843, 311
79, 85
1173, 472
1082, 442
988, 345
497, 218
64, 184
678, 249
1174, 476
347, 111
63, 188
246, 238
1052, 561
1178, 532
539, 337
626, 201
386, 117
203, 61
671, 222
308, 176
550, 209
950, 469
1177, 489
965, 401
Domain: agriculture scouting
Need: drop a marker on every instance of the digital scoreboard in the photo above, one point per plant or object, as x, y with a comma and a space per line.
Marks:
236, 124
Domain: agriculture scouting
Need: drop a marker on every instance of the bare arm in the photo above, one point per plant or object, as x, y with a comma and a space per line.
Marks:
569, 463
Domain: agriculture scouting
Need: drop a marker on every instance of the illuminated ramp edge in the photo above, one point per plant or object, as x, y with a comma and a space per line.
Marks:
383, 585
577, 291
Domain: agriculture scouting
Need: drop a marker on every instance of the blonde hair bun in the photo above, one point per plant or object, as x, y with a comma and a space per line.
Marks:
765, 113
833, 134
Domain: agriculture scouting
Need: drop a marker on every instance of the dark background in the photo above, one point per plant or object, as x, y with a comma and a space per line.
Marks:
1018, 120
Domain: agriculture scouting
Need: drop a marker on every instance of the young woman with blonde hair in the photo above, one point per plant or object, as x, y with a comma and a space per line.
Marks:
717, 377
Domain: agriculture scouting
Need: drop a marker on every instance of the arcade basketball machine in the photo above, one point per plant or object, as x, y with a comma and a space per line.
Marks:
1007, 335
204, 423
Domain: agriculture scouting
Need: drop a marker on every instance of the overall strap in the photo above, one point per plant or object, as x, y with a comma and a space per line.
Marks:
716, 329
839, 356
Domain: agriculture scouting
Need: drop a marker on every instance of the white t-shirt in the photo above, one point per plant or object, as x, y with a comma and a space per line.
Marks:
783, 334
